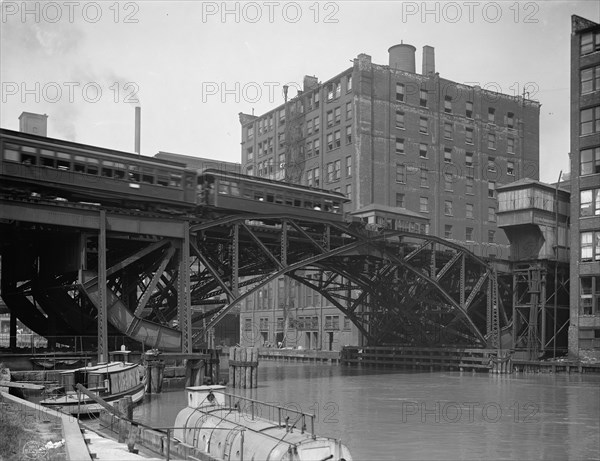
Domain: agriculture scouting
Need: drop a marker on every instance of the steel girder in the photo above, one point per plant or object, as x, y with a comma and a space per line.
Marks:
394, 286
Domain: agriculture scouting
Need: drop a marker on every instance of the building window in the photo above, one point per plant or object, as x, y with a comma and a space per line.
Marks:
448, 104
448, 182
348, 135
424, 205
448, 208
399, 145
400, 173
491, 167
399, 92
590, 246
590, 202
590, 42
491, 141
282, 116
250, 133
491, 214
348, 110
337, 139
491, 115
469, 185
329, 142
590, 121
348, 166
510, 168
448, 130
317, 124
333, 171
310, 176
329, 118
469, 110
590, 295
309, 127
469, 210
348, 83
424, 176
250, 170
423, 96
590, 79
423, 150
590, 161
469, 234
447, 231
469, 135
491, 189
447, 154
510, 145
469, 158
423, 122
400, 119
317, 99
399, 200
250, 153
317, 177
317, 147
337, 115
334, 91
349, 191
510, 120
491, 236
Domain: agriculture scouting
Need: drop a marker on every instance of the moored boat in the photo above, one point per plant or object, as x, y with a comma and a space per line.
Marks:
111, 381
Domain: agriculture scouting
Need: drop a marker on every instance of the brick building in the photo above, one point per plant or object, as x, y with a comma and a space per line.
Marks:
584, 331
410, 150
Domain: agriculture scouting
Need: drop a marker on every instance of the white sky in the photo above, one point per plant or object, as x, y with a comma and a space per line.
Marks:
178, 54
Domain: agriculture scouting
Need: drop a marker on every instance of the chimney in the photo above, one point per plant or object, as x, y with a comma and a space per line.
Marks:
33, 123
309, 83
428, 60
138, 128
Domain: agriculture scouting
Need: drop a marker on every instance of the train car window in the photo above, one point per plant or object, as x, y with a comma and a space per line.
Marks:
270, 198
223, 187
289, 202
259, 196
107, 172
92, 166
134, 173
162, 180
64, 161
297, 203
79, 168
336, 207
49, 162
308, 204
328, 206
234, 188
11, 153
119, 174
278, 199
148, 179
175, 180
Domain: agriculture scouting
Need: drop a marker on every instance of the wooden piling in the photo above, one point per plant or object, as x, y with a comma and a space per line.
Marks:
243, 365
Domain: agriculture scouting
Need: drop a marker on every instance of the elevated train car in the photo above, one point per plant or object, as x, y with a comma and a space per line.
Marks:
77, 172
63, 170
228, 190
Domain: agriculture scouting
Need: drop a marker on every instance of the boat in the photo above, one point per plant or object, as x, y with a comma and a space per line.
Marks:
235, 428
110, 381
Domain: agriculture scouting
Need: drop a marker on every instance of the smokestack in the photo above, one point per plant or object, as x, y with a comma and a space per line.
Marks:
428, 60
138, 128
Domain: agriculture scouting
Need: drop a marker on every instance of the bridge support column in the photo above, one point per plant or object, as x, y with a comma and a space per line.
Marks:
102, 291
183, 292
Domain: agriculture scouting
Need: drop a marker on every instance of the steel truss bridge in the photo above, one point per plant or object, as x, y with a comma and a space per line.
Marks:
74, 269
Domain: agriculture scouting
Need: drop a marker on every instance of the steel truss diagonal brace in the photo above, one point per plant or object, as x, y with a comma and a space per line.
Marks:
155, 279
212, 270
263, 247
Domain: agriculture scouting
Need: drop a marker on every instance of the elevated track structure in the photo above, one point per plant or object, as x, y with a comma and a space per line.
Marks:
164, 275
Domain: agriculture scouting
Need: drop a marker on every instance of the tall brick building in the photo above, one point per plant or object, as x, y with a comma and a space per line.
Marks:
410, 150
584, 331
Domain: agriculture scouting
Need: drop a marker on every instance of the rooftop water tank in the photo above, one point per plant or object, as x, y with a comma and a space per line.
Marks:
402, 57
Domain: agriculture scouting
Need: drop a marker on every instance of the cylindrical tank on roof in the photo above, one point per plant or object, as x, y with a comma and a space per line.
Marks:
402, 57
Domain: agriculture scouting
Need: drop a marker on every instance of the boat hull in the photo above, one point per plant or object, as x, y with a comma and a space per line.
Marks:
69, 403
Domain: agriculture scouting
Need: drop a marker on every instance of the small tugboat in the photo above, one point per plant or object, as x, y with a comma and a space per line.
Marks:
111, 381
216, 423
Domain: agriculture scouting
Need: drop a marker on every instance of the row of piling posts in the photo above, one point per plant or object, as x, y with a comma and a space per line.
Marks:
243, 367
154, 373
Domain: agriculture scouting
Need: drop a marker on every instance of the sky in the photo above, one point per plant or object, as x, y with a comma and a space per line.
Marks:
194, 66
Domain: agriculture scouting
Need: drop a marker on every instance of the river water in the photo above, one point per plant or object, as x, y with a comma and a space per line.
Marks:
395, 415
